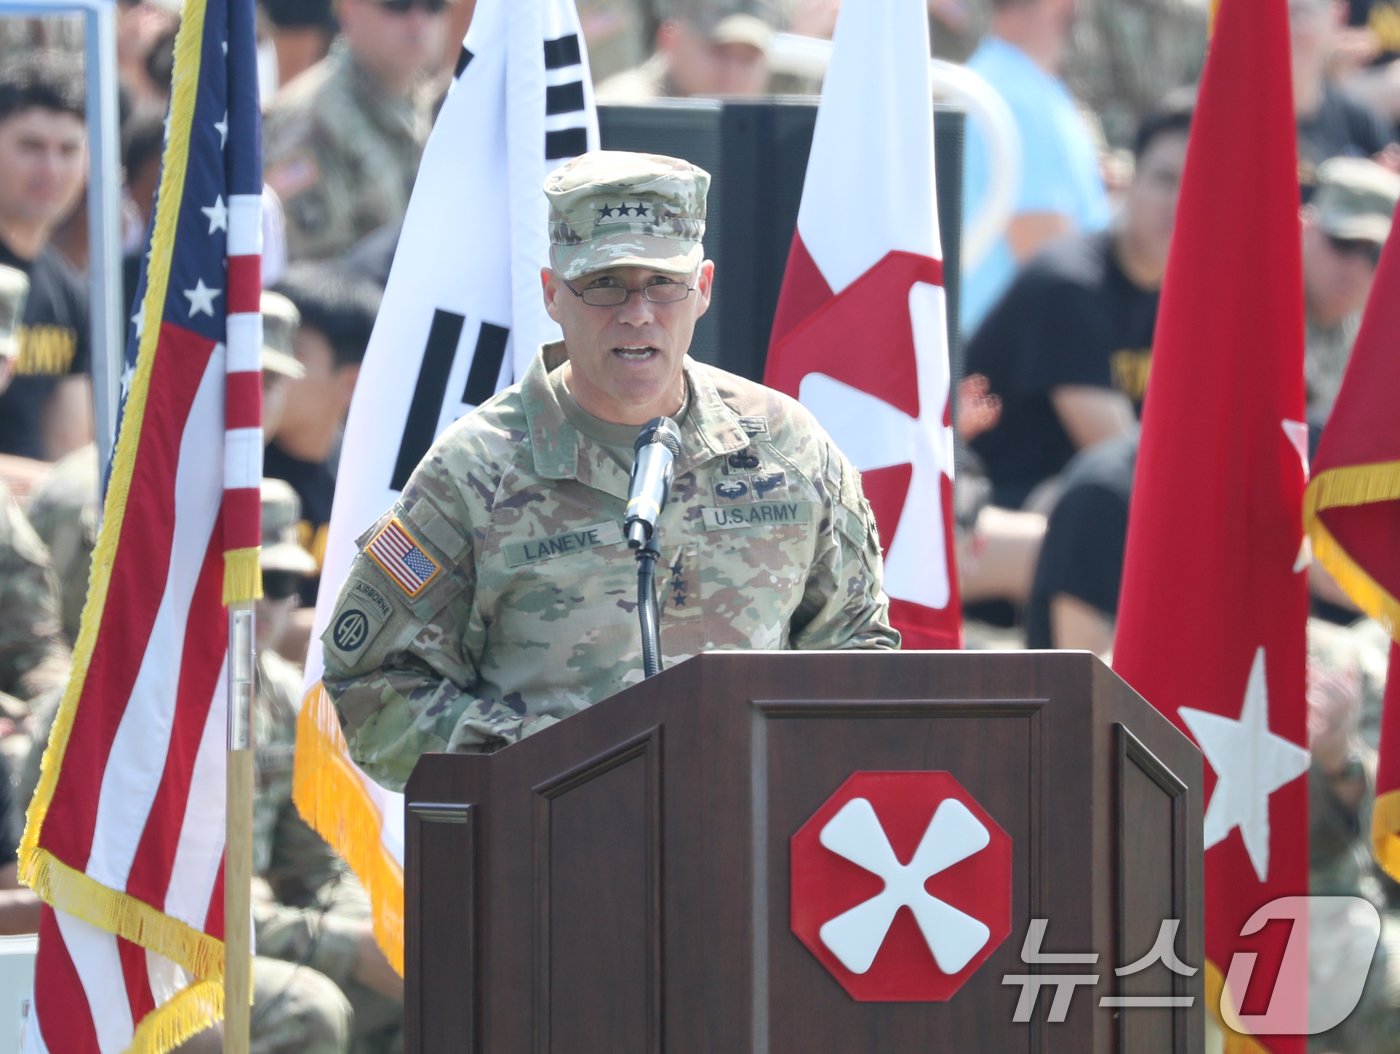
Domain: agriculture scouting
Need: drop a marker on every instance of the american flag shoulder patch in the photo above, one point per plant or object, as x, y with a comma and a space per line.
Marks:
402, 558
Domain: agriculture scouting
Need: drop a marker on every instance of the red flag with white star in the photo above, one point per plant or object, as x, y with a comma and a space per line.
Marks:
861, 333
1214, 600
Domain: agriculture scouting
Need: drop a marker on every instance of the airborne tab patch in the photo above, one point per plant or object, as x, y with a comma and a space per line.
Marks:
399, 556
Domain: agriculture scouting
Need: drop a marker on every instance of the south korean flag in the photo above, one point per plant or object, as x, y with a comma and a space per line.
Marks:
461, 318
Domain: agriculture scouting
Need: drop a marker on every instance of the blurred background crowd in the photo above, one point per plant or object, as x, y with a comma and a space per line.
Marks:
1056, 321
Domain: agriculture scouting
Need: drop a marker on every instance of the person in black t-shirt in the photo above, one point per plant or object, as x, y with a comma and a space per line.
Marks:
337, 316
1068, 347
1074, 595
47, 410
1331, 122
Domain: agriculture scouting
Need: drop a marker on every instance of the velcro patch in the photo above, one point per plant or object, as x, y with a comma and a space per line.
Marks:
754, 425
355, 626
760, 512
399, 556
533, 550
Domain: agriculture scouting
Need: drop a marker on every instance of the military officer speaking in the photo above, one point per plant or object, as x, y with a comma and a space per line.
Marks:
498, 595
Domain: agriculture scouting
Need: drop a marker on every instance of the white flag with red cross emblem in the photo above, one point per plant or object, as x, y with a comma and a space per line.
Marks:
861, 333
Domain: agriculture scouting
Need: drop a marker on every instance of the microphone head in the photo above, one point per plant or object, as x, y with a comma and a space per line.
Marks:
661, 430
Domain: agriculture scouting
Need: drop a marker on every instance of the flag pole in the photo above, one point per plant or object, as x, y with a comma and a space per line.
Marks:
238, 845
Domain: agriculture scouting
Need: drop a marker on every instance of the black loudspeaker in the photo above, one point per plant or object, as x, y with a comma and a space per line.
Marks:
756, 150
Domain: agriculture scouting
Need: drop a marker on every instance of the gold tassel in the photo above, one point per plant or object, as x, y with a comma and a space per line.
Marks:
1385, 830
327, 790
1353, 485
1235, 1042
242, 575
190, 1012
81, 895
1368, 594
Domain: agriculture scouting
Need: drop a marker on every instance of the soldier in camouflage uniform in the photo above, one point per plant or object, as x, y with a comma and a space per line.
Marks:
34, 658
497, 595
343, 140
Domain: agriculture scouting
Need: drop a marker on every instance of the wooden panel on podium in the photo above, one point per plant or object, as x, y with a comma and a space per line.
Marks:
622, 881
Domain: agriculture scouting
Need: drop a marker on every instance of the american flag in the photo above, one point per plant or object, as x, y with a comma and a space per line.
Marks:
402, 559
125, 837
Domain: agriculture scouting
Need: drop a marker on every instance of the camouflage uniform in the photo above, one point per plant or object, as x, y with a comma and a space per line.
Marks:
342, 154
1126, 55
498, 595
34, 657
526, 612
64, 512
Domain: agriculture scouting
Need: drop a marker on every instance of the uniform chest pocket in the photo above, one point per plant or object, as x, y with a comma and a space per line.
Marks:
753, 559
549, 577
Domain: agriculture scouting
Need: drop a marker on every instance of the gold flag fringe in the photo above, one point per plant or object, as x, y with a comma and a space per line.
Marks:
1235, 1042
327, 790
1385, 829
1348, 487
82, 896
242, 575
189, 1012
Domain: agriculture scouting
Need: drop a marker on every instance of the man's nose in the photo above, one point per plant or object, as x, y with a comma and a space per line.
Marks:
637, 309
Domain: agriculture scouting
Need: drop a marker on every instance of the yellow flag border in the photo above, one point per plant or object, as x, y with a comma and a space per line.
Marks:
330, 795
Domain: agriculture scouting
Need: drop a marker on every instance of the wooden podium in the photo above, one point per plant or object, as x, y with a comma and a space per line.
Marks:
622, 882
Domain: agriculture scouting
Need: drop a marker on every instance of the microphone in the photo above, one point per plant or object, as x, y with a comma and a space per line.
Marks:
657, 446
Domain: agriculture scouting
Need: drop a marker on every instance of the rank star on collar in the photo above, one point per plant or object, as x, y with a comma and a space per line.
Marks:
1250, 763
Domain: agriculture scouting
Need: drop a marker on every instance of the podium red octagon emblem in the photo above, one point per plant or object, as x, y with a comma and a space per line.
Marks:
901, 886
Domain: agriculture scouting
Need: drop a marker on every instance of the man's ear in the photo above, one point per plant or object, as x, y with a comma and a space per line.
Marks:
550, 289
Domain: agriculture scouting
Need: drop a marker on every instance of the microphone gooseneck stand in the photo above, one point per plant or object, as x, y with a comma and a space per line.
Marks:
654, 453
646, 606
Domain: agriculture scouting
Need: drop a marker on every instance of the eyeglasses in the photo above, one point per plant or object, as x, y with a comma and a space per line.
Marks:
403, 7
279, 585
617, 295
1370, 250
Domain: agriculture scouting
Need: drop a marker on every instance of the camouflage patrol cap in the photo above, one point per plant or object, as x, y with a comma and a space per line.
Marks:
281, 511
612, 208
14, 291
1355, 199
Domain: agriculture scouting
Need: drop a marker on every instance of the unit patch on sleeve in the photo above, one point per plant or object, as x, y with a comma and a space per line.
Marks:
402, 558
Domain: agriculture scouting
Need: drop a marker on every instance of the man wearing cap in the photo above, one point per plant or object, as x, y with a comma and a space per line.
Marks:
705, 48
512, 601
343, 140
1344, 228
